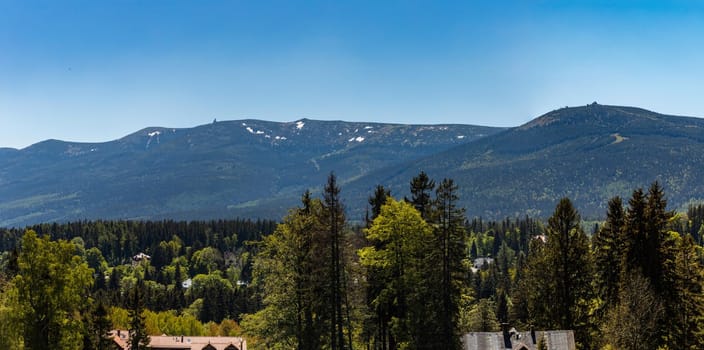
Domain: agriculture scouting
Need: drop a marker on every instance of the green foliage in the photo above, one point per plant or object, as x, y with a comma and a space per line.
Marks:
206, 260
421, 189
449, 252
560, 271
138, 336
52, 287
609, 251
482, 318
119, 317
687, 299
97, 329
172, 323
292, 272
376, 201
11, 324
660, 280
632, 324
168, 322
214, 291
640, 283
400, 238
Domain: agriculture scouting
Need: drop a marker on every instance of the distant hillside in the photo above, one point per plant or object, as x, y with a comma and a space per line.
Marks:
246, 168
588, 153
259, 169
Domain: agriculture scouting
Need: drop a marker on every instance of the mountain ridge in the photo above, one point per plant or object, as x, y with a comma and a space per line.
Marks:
526, 169
209, 170
259, 169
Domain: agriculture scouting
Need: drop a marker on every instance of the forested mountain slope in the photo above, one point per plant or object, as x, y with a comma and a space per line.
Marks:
225, 169
258, 169
588, 153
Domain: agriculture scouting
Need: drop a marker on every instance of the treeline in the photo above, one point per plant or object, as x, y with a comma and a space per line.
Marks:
409, 279
169, 276
118, 241
417, 275
397, 285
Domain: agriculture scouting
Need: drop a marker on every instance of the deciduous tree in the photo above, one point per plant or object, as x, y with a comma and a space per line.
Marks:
403, 238
52, 285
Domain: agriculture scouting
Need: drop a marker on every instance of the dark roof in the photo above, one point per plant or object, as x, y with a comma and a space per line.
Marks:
555, 340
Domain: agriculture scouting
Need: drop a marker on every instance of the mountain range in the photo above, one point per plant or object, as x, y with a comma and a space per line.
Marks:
259, 169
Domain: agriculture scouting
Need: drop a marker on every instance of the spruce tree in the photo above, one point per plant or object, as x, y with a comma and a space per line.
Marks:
634, 234
294, 280
421, 190
378, 330
335, 221
561, 275
687, 305
450, 253
376, 201
138, 337
98, 328
655, 235
608, 247
518, 310
482, 317
669, 268
178, 299
503, 281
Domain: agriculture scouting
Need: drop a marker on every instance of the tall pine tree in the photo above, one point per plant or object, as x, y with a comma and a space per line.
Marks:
561, 275
335, 224
421, 191
686, 312
292, 276
608, 250
378, 332
376, 201
449, 255
634, 234
138, 337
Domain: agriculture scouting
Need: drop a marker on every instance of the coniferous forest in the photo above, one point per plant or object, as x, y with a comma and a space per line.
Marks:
417, 273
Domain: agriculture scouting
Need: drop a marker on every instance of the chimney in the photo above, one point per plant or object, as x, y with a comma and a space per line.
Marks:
532, 334
507, 336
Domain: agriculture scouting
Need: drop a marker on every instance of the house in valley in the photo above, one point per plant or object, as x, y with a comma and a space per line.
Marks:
515, 340
168, 342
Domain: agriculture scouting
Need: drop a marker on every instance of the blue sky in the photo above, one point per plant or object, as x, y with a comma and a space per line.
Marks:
98, 70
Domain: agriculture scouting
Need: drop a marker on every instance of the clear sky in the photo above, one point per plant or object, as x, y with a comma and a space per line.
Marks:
98, 70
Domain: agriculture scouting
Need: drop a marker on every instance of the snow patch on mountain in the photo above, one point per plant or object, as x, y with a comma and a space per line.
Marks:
151, 135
